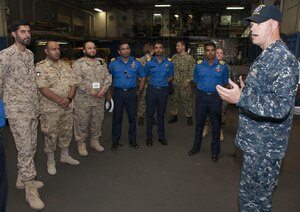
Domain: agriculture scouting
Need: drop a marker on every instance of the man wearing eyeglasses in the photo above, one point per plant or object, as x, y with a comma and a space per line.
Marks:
125, 70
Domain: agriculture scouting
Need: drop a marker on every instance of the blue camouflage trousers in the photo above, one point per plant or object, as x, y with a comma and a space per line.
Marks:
258, 180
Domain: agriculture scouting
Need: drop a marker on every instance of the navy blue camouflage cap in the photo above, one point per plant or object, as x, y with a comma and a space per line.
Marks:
265, 12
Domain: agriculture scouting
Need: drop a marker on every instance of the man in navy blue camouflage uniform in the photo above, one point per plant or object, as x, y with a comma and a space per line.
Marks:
207, 74
125, 70
160, 72
265, 101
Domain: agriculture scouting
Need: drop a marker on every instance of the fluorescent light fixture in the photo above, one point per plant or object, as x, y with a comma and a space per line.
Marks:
43, 43
98, 10
157, 14
176, 16
235, 8
162, 5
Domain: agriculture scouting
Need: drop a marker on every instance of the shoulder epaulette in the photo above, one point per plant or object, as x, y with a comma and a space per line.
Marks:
138, 59
11, 51
169, 59
79, 60
41, 62
199, 61
112, 59
222, 62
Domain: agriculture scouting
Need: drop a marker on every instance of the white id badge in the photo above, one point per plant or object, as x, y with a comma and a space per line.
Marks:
96, 85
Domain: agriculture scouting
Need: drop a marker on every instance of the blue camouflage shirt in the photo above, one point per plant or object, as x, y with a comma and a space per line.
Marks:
267, 101
208, 76
124, 75
159, 72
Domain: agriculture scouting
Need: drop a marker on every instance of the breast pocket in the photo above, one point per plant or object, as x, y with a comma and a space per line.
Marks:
218, 75
52, 81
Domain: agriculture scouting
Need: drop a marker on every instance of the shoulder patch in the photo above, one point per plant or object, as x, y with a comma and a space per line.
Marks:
199, 61
102, 61
169, 59
222, 62
80, 60
112, 59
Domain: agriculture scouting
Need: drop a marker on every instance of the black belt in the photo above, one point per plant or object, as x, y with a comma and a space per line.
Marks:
207, 93
159, 87
124, 89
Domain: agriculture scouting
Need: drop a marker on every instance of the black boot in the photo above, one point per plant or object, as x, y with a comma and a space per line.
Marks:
189, 121
154, 121
141, 121
173, 119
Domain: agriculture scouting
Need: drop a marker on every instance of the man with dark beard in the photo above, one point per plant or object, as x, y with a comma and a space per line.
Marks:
19, 93
92, 81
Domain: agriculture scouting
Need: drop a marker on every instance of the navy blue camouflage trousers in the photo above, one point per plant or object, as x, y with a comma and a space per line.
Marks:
258, 180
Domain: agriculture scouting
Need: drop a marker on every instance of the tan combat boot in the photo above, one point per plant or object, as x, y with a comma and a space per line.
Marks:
51, 169
20, 184
66, 158
205, 131
32, 196
221, 135
96, 145
82, 149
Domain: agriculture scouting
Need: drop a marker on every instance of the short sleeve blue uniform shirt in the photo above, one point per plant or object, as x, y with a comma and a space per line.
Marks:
125, 74
208, 77
159, 72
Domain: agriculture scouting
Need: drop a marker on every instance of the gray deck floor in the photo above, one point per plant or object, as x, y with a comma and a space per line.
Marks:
152, 179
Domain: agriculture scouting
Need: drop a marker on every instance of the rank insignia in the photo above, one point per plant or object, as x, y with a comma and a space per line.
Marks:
199, 61
222, 62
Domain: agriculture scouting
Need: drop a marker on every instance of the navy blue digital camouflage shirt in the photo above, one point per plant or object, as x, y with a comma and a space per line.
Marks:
267, 101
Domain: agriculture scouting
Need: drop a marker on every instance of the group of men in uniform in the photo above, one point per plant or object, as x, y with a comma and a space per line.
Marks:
65, 98
265, 100
47, 91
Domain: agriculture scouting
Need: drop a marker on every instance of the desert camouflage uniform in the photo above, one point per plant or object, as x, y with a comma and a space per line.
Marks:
89, 110
142, 97
265, 120
184, 70
56, 123
19, 92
